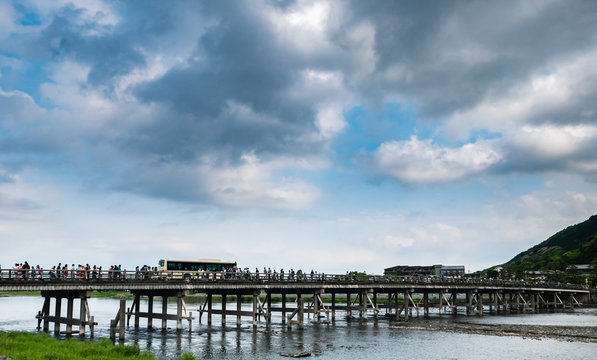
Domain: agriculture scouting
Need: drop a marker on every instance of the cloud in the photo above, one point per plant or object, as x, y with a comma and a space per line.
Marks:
449, 57
192, 89
18, 108
7, 15
561, 96
393, 241
420, 161
250, 183
530, 149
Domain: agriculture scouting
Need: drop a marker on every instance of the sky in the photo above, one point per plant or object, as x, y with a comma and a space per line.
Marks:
324, 135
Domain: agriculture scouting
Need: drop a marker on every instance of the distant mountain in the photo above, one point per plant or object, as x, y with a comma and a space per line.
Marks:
577, 244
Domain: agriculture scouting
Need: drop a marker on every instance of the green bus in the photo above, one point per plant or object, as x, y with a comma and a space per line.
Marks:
186, 269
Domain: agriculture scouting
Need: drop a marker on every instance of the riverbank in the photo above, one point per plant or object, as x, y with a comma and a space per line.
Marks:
586, 334
19, 293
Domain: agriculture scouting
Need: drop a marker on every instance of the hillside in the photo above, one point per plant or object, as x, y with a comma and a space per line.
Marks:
577, 244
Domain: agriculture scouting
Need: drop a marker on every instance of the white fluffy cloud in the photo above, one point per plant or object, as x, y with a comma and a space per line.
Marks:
554, 142
421, 161
251, 184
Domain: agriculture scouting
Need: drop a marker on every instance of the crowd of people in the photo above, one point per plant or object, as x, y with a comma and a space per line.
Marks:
26, 271
115, 272
60, 271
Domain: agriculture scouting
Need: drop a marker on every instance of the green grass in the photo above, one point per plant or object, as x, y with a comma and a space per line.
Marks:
20, 293
30, 346
108, 294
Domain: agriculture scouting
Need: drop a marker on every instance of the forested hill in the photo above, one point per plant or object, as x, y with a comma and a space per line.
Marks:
577, 244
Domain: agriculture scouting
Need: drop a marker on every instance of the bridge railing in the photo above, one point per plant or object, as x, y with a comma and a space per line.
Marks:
54, 276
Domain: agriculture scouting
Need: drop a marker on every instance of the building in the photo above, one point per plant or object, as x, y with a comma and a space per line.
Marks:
426, 270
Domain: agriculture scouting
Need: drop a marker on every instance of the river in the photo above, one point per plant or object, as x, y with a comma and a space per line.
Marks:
344, 339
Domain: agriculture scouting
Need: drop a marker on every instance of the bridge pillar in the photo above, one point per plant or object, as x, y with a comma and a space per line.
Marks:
348, 305
426, 303
396, 308
316, 307
118, 323
136, 306
363, 304
299, 312
57, 314
238, 309
135, 310
490, 300
150, 312
179, 305
283, 308
255, 311
333, 306
223, 309
45, 310
164, 312
69, 314
209, 303
406, 304
84, 317
268, 321
375, 307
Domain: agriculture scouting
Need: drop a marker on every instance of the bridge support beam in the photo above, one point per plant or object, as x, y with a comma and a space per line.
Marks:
135, 310
316, 307
283, 308
118, 323
299, 312
238, 309
84, 319
333, 308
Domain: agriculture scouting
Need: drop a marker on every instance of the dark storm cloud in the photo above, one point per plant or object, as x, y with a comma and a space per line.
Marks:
458, 52
239, 64
454, 54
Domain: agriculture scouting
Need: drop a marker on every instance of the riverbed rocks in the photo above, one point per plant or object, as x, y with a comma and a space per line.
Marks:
566, 333
297, 355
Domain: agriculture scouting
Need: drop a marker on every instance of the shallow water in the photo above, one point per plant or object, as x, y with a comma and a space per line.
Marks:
345, 338
578, 317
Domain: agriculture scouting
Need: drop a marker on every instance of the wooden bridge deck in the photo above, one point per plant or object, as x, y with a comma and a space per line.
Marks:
279, 287
400, 297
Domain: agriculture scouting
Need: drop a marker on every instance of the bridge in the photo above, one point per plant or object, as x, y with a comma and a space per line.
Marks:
319, 295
